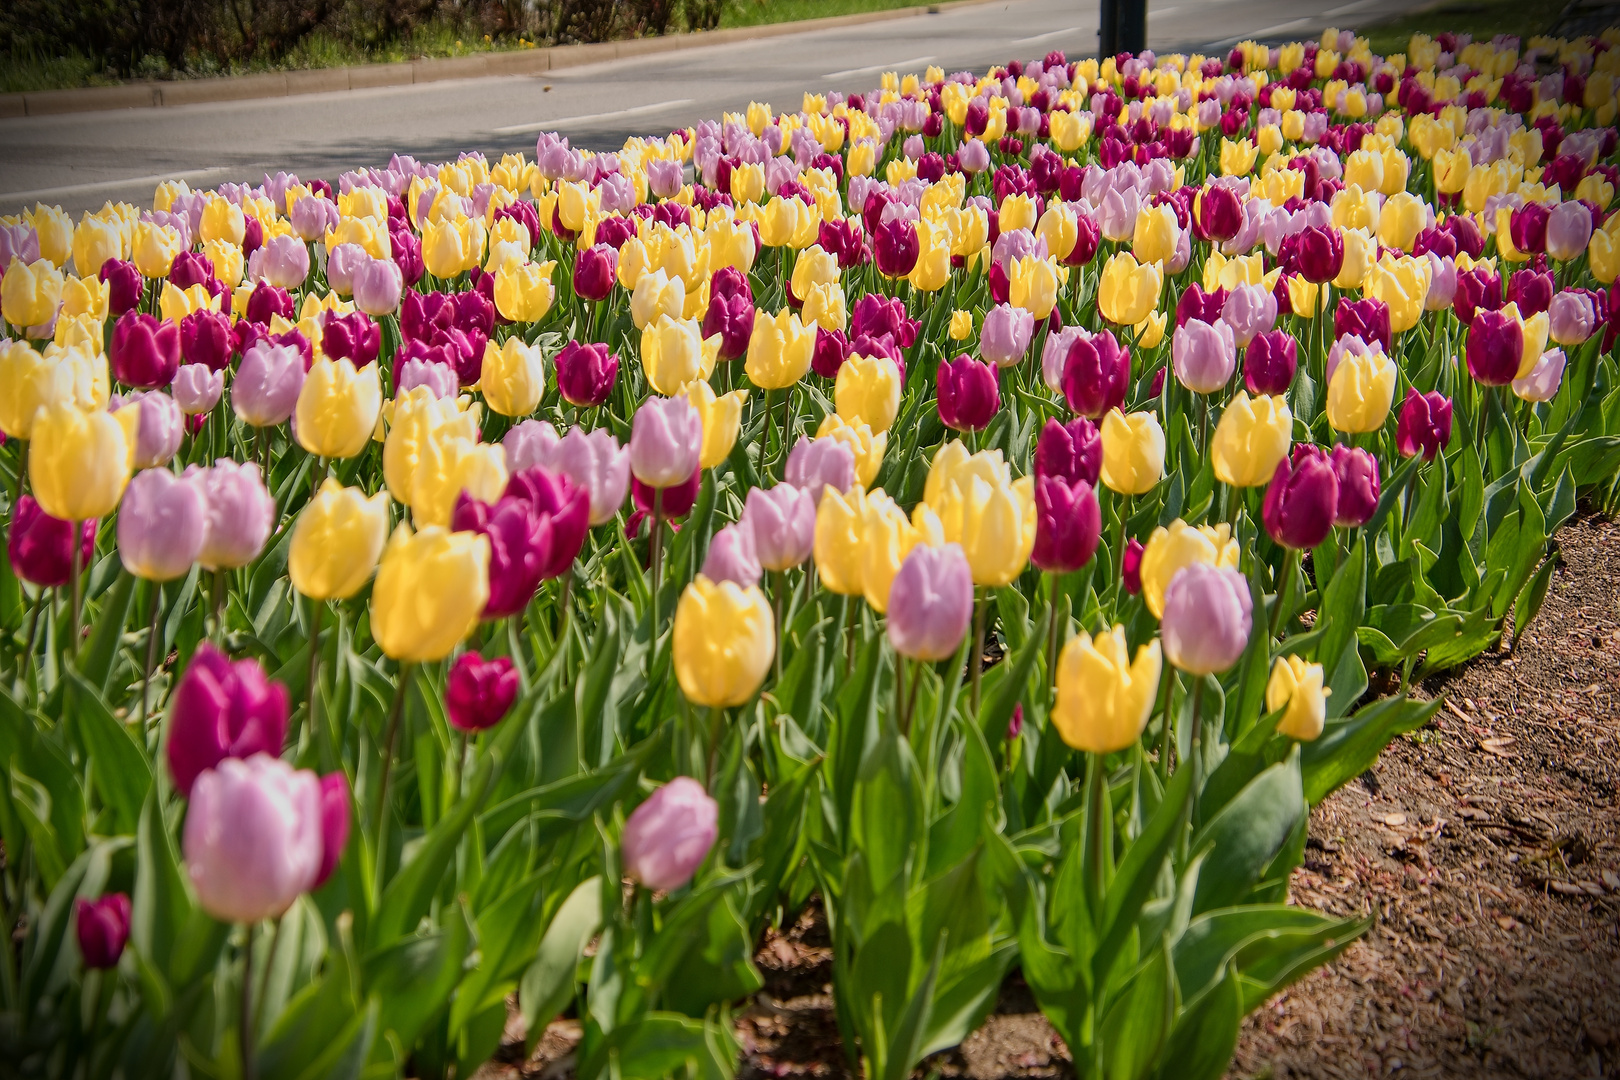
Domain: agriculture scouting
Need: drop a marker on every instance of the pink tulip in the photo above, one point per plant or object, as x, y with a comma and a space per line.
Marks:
669, 835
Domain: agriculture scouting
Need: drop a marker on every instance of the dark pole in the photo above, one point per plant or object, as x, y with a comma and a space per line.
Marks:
1132, 25
1108, 28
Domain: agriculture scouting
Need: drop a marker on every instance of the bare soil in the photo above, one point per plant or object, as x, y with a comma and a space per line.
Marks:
1488, 845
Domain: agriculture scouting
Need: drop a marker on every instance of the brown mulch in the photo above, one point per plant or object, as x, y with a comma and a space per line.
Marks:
1488, 844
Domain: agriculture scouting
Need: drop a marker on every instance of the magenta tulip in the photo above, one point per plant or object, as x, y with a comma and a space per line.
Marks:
1367, 318
1495, 347
335, 820
478, 693
102, 926
895, 247
1269, 363
145, 352
205, 338
1424, 426
41, 547
1302, 499
969, 394
595, 270
1068, 524
563, 504
1072, 451
222, 710
586, 373
1357, 473
1096, 374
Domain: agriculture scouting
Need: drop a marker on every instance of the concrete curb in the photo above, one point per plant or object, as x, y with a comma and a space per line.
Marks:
276, 84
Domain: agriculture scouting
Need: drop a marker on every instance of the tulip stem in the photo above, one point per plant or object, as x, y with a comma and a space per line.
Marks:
1195, 756
654, 554
1168, 729
76, 557
899, 692
26, 670
1052, 631
22, 477
151, 647
716, 713
247, 1003
770, 425
264, 976
781, 588
1100, 833
849, 636
976, 661
1285, 591
219, 606
317, 609
379, 816
787, 422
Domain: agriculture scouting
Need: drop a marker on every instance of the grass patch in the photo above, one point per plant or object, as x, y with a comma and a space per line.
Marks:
759, 12
1484, 19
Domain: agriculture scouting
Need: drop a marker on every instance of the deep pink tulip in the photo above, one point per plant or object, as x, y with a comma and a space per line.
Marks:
832, 349
564, 504
1424, 426
1269, 363
335, 820
102, 926
1221, 214
479, 693
354, 337
1131, 567
41, 547
675, 501
1302, 498
519, 546
1495, 347
969, 393
1367, 318
205, 338
732, 317
145, 351
1071, 451
595, 270
1068, 524
1320, 254
1195, 303
586, 373
1096, 374
222, 710
1357, 473
895, 247
1531, 291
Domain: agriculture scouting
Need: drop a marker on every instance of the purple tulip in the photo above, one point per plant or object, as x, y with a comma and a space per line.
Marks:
1495, 347
1569, 229
1269, 363
378, 285
930, 603
265, 389
1532, 292
1367, 319
895, 247
1068, 524
1573, 316
563, 504
586, 373
41, 547
665, 437
783, 522
1055, 353
197, 388
253, 838
1096, 374
1357, 472
669, 835
1528, 228
832, 349
593, 460
1302, 499
1005, 336
1208, 615
205, 339
1072, 451
733, 556
145, 351
222, 710
124, 286
335, 818
1130, 567
1320, 255
969, 393
595, 270
283, 261
158, 429
102, 926
162, 520
342, 264
731, 317
814, 465
241, 513
1219, 212
1249, 310
354, 337
478, 693
1424, 426
1204, 355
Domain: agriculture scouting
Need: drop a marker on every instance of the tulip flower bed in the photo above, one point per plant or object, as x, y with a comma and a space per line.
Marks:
527, 582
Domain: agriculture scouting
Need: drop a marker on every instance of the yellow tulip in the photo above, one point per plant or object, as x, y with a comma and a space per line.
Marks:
673, 353
222, 220
575, 203
961, 325
825, 307
29, 381
656, 296
1154, 239
94, 242
730, 243
87, 296
1104, 699
779, 350
371, 235
840, 531
994, 523
1353, 208
1170, 549
932, 271
1150, 331
155, 248
721, 416
1536, 330
1069, 131
337, 408
524, 291
1403, 285
175, 303
1360, 392
1401, 219
336, 541
1596, 189
80, 461
449, 467
1237, 158
1359, 253
1397, 167
30, 292
867, 391
867, 447
1017, 212
812, 267
722, 642
444, 249
229, 263
1451, 170
887, 537
1297, 685
748, 185
55, 231
954, 466
81, 332
1365, 169
514, 377
1032, 285
431, 590
1128, 290
1133, 452
1306, 296
1060, 228
1252, 437
414, 419
1604, 252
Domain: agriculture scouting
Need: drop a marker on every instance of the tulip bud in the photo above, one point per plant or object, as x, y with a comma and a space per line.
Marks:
1302, 500
1207, 618
253, 838
1133, 452
1130, 567
969, 393
478, 693
1004, 338
1104, 699
1251, 439
1424, 426
335, 814
586, 374
102, 927
594, 272
724, 638
41, 547
1361, 388
732, 557
1297, 686
667, 838
337, 541
1357, 472
431, 589
930, 602
162, 522
222, 710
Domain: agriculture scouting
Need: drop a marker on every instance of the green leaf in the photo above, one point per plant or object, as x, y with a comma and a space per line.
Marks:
322, 1023
161, 905
1205, 1033
548, 984
119, 769
1247, 833
887, 814
1269, 944
412, 978
1344, 603
1528, 605
1348, 747
97, 655
997, 708
1135, 1027
1138, 872
654, 1047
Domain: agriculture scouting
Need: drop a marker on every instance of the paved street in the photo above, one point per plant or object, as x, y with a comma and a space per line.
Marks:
80, 160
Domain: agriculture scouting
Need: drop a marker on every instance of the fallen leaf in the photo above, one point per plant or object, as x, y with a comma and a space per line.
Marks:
1498, 746
1395, 819
1612, 880
1567, 889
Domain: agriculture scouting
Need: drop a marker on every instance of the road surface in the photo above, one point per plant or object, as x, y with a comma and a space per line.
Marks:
80, 160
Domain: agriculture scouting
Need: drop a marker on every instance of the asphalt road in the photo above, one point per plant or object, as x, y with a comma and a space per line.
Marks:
81, 160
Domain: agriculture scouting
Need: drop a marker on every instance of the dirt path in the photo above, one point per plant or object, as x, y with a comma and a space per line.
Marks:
1488, 844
